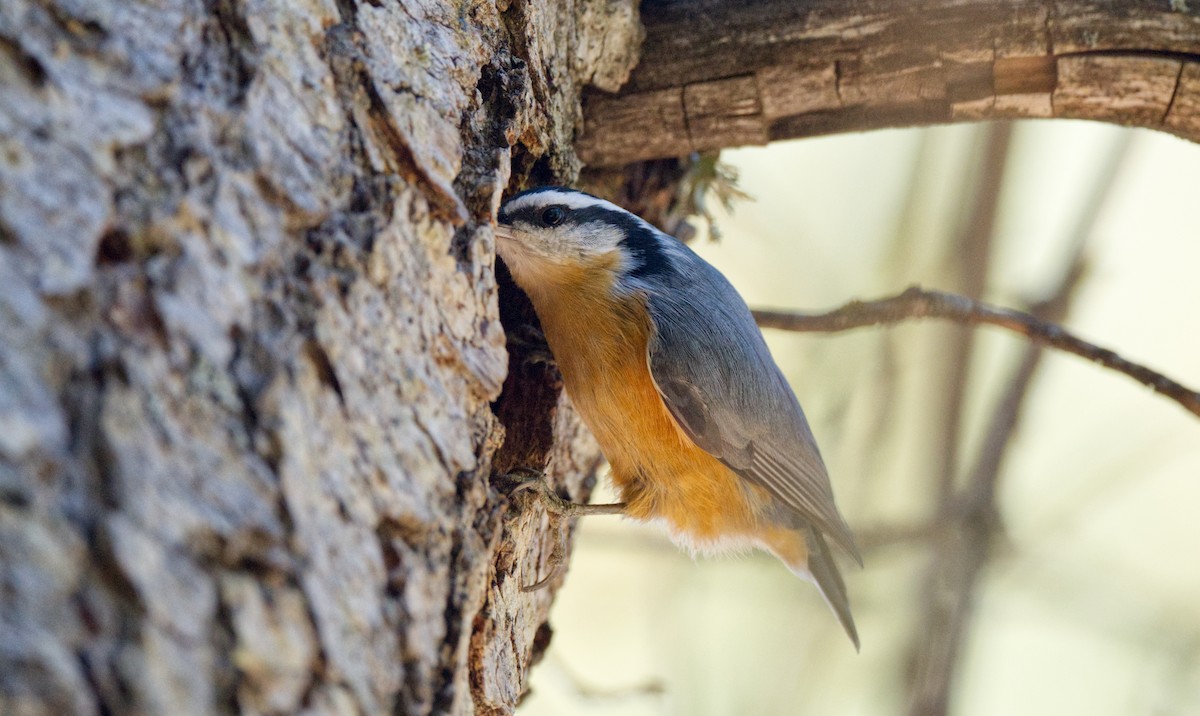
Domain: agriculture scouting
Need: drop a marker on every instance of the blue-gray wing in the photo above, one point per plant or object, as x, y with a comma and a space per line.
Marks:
719, 381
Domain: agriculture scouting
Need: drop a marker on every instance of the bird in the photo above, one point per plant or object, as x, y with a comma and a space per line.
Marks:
662, 359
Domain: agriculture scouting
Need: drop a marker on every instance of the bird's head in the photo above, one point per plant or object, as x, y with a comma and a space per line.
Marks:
554, 235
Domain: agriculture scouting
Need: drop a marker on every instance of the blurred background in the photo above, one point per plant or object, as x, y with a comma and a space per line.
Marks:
1030, 521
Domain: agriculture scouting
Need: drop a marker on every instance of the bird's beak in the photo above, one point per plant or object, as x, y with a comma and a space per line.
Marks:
504, 232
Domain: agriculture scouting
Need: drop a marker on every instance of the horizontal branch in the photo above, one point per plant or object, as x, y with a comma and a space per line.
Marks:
920, 303
717, 74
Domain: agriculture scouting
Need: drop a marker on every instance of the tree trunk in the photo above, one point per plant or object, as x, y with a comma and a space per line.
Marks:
254, 388
252, 368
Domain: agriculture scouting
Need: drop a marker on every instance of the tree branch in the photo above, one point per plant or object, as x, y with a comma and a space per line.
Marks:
916, 302
717, 74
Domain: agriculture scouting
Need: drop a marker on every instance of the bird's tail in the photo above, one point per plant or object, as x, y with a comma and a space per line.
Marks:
822, 571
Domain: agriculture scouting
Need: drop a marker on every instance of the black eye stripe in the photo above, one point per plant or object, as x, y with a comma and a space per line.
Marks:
535, 215
639, 239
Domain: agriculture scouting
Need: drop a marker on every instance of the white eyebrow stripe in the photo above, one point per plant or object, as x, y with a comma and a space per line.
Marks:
569, 199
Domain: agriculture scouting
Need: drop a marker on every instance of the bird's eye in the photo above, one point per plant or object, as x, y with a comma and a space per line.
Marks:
554, 215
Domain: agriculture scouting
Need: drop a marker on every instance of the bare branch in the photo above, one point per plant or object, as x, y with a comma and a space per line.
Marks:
916, 302
756, 72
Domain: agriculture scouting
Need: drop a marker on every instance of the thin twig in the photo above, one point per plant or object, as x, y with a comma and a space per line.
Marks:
917, 302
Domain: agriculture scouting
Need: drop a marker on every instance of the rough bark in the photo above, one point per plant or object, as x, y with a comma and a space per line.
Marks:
717, 74
253, 384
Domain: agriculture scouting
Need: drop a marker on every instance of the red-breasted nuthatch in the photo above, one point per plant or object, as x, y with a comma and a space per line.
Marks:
662, 359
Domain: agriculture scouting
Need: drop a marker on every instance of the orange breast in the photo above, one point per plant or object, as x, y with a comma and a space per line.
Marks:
600, 345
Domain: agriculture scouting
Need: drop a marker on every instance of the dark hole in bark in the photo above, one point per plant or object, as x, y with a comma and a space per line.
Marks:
527, 402
114, 248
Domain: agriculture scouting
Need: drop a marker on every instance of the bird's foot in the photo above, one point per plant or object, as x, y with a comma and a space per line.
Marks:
554, 564
533, 481
555, 504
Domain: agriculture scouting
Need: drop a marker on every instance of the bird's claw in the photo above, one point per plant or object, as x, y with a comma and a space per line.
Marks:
534, 481
555, 504
554, 564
